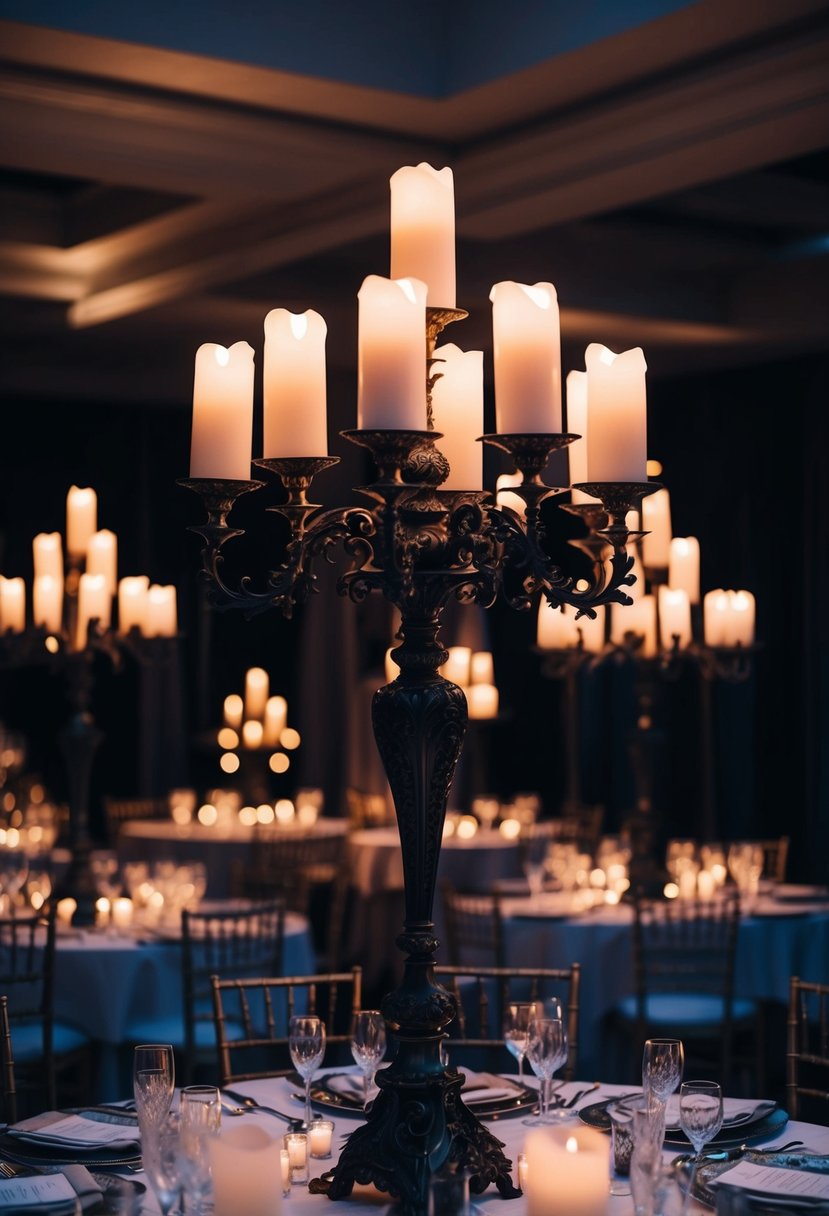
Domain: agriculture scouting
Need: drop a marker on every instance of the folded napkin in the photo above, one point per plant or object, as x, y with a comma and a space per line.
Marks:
736, 1111
487, 1087
80, 1132
55, 1194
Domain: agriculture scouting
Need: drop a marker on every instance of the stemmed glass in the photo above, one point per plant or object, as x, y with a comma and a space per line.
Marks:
162, 1162
517, 1018
700, 1116
306, 1043
546, 1052
368, 1045
153, 1081
662, 1063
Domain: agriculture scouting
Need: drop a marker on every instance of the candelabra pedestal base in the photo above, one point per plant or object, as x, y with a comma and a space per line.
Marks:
79, 741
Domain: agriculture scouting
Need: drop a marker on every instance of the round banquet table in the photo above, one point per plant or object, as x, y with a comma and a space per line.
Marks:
376, 864
366, 1202
104, 983
777, 942
162, 840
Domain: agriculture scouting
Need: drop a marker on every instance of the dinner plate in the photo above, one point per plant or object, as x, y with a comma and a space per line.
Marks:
119, 1194
771, 1123
708, 1172
521, 1098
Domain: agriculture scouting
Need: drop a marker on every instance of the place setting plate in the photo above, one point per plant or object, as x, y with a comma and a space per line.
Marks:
704, 1187
763, 1125
341, 1091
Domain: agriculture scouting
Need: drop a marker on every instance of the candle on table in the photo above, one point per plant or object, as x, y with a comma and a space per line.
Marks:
234, 708
683, 566
66, 909
81, 518
577, 424
222, 412
132, 603
47, 550
47, 602
257, 685
102, 557
482, 700
674, 618
567, 1172
391, 355
521, 1162
297, 1145
458, 404
162, 619
527, 353
285, 1165
94, 603
247, 1172
706, 884
320, 1135
252, 734
617, 409
276, 719
294, 384
482, 668
456, 667
656, 519
423, 230
121, 913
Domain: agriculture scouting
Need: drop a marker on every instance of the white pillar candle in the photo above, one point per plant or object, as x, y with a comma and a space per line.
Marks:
162, 617
294, 384
504, 496
102, 557
481, 668
121, 913
391, 355
656, 519
458, 405
423, 230
616, 405
456, 667
253, 733
246, 1168
556, 627
683, 566
742, 618
234, 708
276, 719
706, 885
257, 685
81, 518
527, 353
222, 412
482, 700
592, 631
715, 616
674, 618
638, 618
47, 602
47, 550
132, 603
567, 1171
285, 1165
94, 604
12, 605
577, 424
66, 909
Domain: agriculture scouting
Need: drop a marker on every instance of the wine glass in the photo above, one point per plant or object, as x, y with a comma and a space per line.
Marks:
546, 1052
700, 1116
517, 1018
306, 1043
153, 1081
662, 1063
368, 1045
161, 1153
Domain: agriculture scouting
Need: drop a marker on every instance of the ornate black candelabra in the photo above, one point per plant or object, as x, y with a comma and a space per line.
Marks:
420, 546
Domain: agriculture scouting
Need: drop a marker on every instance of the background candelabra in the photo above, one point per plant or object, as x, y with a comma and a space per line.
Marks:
666, 632
70, 625
429, 535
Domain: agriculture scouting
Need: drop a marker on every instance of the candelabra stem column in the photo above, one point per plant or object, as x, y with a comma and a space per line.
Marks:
571, 723
418, 1122
79, 741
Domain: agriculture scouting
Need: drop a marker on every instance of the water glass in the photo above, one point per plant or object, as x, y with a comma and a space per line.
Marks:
700, 1112
161, 1153
621, 1146
153, 1083
646, 1157
368, 1045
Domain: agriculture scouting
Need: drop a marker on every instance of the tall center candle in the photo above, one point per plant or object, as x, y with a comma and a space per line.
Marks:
527, 352
423, 230
458, 404
222, 412
616, 404
294, 384
81, 518
391, 355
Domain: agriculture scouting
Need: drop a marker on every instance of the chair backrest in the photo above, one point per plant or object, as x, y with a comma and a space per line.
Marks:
241, 943
807, 1055
27, 959
119, 811
474, 930
367, 810
252, 1018
289, 867
9, 1088
484, 994
775, 857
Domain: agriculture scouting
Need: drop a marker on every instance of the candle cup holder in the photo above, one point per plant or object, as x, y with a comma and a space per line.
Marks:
618, 497
219, 496
530, 453
296, 474
390, 451
731, 664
